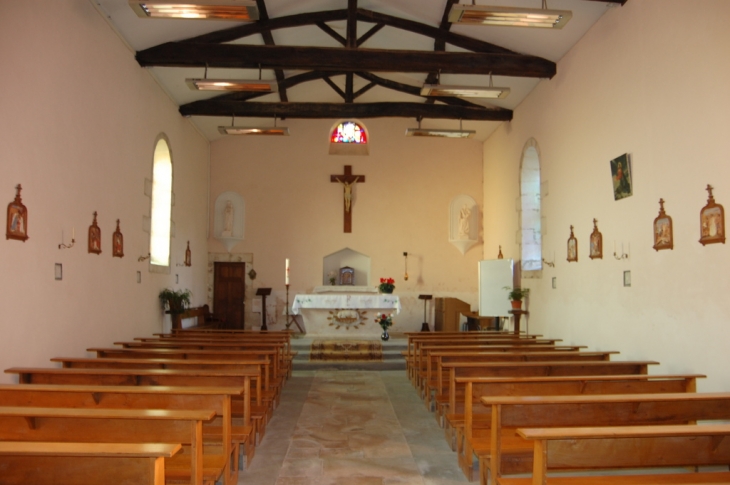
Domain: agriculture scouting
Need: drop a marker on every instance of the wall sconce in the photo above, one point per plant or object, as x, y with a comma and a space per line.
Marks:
73, 240
405, 256
623, 255
143, 258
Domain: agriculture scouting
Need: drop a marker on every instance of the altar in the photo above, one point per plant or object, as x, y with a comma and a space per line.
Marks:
335, 312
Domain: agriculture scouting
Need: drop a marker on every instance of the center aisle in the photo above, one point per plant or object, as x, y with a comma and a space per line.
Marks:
354, 427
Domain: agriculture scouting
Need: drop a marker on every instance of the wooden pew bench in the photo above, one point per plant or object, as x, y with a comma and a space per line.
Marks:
218, 432
471, 418
203, 317
436, 360
121, 426
514, 455
44, 463
617, 447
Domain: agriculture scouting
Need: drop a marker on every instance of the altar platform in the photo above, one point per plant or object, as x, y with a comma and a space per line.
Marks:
343, 314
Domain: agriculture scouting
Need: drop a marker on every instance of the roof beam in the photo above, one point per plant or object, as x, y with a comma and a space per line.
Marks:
413, 90
331, 32
269, 40
184, 54
343, 110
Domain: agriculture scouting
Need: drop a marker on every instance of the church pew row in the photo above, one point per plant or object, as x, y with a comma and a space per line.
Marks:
614, 447
220, 430
421, 359
51, 463
157, 377
437, 359
122, 426
500, 452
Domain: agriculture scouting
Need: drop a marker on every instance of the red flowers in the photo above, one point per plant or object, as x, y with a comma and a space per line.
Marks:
387, 281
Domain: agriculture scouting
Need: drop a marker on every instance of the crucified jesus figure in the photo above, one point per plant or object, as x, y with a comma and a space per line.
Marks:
348, 191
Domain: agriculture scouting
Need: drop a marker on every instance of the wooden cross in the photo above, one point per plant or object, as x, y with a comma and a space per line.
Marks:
348, 180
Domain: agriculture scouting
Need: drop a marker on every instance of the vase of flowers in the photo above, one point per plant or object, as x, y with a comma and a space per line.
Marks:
332, 278
385, 321
386, 285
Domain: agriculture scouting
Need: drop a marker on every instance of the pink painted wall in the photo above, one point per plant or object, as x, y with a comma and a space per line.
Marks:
78, 122
293, 211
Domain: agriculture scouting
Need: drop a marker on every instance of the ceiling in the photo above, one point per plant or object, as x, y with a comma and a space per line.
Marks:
333, 79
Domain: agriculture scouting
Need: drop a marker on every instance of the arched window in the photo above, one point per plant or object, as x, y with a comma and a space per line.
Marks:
349, 138
161, 211
530, 205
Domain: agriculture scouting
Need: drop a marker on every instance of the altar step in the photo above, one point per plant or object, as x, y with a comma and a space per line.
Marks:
392, 356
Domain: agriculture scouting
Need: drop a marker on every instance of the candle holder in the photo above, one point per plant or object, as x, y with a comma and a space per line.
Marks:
67, 246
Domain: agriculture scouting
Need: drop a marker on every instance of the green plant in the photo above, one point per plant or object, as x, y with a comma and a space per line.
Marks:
387, 285
517, 294
175, 301
384, 320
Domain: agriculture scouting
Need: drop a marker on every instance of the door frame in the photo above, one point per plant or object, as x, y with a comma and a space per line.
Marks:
232, 258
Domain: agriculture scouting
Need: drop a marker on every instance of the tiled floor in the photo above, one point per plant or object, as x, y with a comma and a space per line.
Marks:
354, 428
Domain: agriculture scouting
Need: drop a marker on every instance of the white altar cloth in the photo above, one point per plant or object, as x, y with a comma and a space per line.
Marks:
320, 313
345, 289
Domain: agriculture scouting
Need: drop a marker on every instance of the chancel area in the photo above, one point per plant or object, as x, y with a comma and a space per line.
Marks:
598, 167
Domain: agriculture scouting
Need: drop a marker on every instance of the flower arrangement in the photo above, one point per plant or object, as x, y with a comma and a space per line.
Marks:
331, 275
386, 285
384, 320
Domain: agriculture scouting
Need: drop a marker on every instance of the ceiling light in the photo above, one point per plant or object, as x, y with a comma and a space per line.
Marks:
510, 16
196, 9
464, 91
440, 133
253, 130
232, 85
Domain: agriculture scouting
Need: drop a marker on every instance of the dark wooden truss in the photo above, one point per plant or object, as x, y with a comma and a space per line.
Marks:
352, 60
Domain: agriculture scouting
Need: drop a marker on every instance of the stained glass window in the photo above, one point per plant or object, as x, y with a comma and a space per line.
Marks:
349, 132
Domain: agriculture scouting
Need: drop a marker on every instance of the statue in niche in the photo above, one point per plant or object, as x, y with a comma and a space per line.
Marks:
464, 229
348, 192
228, 220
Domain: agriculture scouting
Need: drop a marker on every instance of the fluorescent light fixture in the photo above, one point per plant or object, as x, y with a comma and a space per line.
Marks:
464, 91
253, 85
253, 130
439, 133
509, 16
196, 9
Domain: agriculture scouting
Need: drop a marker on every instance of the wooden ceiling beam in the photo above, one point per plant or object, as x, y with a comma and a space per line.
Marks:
176, 54
373, 30
440, 44
269, 40
242, 109
335, 87
351, 24
413, 90
332, 33
364, 90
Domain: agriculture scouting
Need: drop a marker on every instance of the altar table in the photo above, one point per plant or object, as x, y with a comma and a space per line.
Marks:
344, 315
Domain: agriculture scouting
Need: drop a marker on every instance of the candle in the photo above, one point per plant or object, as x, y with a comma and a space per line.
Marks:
287, 271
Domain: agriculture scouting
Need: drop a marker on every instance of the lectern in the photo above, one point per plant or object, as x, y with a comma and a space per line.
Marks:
425, 298
263, 293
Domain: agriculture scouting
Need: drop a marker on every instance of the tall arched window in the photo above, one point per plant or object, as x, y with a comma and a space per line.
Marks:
161, 211
530, 204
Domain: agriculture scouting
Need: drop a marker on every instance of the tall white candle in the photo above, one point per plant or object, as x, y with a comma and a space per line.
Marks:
287, 271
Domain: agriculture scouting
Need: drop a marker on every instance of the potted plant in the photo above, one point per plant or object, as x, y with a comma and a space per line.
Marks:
175, 301
516, 295
387, 285
385, 321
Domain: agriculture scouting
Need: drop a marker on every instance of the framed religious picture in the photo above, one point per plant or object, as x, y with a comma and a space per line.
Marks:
621, 177
188, 256
17, 222
117, 243
596, 242
712, 221
572, 247
663, 234
94, 237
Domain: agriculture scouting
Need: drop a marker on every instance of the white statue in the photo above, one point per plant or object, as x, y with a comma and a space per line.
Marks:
228, 220
464, 229
348, 192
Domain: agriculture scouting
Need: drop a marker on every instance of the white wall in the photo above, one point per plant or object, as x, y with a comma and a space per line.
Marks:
78, 122
650, 78
293, 211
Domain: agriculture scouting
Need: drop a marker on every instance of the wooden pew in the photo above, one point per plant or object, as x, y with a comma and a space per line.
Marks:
218, 399
43, 463
615, 447
436, 359
120, 426
510, 456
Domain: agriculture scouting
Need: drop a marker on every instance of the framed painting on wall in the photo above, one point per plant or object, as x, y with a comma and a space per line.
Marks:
94, 237
663, 233
621, 177
117, 243
17, 222
712, 221
572, 247
596, 242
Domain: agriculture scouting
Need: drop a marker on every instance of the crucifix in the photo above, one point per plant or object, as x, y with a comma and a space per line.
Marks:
348, 180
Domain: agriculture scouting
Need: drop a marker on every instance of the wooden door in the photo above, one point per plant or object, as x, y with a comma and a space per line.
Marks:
229, 292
